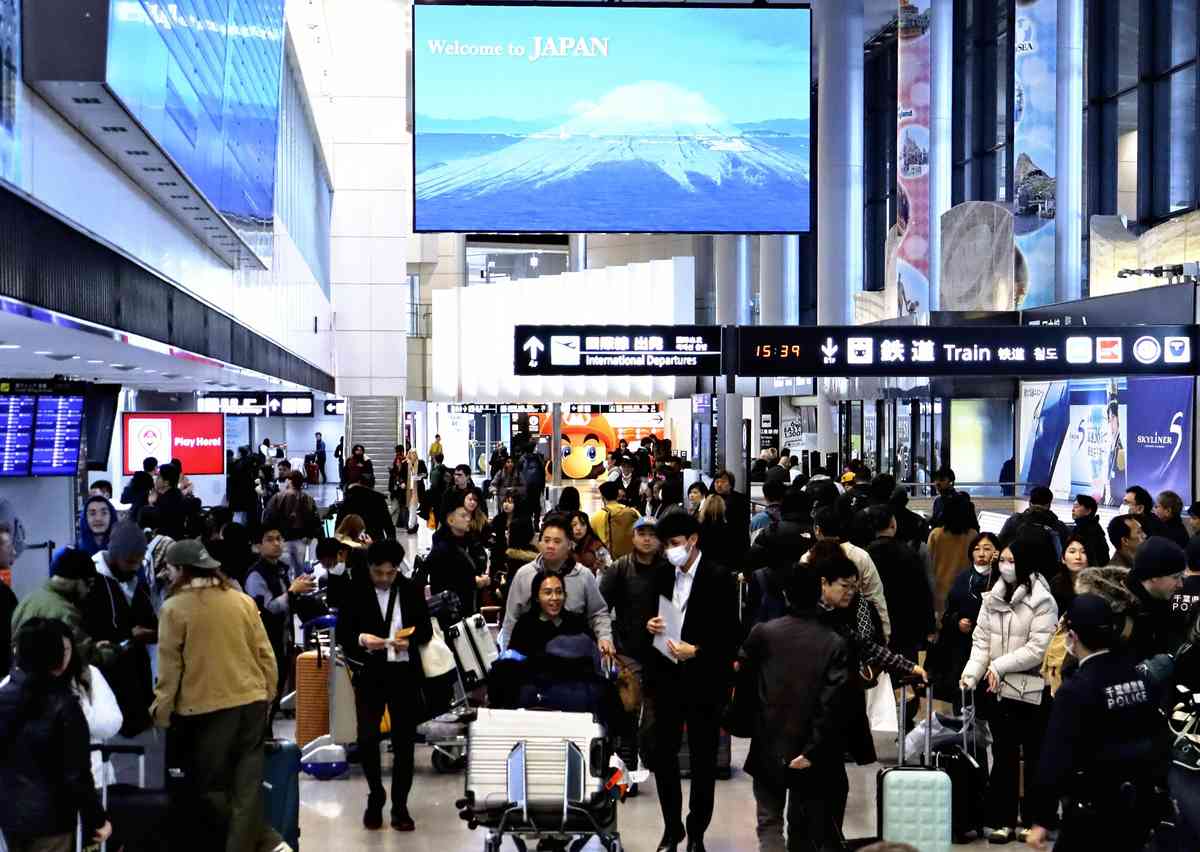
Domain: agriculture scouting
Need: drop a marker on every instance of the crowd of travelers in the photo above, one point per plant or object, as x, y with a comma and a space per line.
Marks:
1075, 641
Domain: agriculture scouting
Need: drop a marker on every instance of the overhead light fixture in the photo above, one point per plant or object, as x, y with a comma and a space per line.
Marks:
148, 370
10, 345
95, 361
42, 352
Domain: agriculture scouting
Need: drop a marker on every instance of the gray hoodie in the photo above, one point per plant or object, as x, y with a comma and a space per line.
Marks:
583, 596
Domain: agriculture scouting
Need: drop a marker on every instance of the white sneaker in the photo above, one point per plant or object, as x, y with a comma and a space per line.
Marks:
283, 847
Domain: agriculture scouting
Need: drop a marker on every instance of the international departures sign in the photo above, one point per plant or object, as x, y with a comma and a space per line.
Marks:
854, 350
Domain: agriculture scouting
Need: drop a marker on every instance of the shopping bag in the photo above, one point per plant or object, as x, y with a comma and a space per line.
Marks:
881, 706
436, 657
424, 540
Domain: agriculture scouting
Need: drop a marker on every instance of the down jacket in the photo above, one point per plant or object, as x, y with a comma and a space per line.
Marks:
1011, 637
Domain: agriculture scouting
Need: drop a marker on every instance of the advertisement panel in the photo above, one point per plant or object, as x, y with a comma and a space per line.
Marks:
197, 440
614, 118
1034, 126
1099, 437
10, 91
588, 438
912, 154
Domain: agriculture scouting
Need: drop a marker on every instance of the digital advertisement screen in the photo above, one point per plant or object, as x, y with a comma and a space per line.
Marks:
197, 440
203, 78
40, 434
559, 118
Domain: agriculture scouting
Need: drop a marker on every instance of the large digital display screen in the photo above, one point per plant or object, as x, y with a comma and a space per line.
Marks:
595, 118
202, 77
197, 440
40, 434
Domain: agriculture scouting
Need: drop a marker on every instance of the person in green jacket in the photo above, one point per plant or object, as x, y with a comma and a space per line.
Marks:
71, 579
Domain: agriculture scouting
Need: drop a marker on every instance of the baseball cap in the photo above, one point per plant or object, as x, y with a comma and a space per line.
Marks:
848, 476
1089, 611
645, 522
191, 552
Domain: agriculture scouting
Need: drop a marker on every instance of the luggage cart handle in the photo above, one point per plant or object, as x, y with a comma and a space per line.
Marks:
905, 682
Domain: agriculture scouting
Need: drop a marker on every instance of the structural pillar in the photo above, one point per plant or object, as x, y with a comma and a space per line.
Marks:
770, 280
941, 141
731, 267
838, 40
791, 280
577, 252
1071, 219
556, 444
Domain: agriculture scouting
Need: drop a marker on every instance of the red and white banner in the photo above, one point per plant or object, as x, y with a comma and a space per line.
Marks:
197, 440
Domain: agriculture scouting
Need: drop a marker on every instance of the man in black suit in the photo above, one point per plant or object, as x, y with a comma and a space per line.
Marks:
372, 507
630, 483
691, 686
373, 630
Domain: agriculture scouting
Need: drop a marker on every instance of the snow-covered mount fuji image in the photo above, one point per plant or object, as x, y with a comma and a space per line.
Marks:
647, 156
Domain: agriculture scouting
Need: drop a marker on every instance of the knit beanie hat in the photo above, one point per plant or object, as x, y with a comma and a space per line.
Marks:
126, 541
74, 564
1158, 557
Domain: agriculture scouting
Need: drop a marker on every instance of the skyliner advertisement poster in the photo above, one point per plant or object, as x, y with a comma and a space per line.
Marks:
611, 118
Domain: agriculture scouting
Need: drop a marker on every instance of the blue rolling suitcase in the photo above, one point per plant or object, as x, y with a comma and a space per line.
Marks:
915, 804
281, 789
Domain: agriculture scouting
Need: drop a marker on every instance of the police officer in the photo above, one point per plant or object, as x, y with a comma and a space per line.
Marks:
1107, 744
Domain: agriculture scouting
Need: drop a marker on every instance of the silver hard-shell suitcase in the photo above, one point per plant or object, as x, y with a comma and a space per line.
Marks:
475, 649
492, 736
915, 804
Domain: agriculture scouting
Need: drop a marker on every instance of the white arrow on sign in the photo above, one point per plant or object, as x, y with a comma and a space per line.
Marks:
829, 350
534, 347
275, 404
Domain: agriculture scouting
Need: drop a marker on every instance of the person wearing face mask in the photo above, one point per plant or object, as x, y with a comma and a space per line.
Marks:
1107, 745
953, 648
1126, 534
1017, 620
692, 686
1139, 504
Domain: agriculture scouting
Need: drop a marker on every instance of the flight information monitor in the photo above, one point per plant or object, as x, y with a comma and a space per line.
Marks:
40, 434
57, 436
16, 433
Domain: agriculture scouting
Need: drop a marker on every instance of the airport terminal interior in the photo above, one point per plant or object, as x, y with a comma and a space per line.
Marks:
623, 425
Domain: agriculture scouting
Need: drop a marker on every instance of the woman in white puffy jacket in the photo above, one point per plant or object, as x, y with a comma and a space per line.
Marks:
103, 717
1016, 622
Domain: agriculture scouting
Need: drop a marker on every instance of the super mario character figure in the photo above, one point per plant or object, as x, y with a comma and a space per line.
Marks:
587, 439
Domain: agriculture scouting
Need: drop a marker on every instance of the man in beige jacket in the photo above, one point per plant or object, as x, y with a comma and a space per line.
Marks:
216, 680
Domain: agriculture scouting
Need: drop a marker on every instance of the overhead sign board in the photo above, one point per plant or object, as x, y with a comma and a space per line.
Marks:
618, 350
499, 408
613, 408
239, 404
334, 407
966, 350
197, 440
289, 404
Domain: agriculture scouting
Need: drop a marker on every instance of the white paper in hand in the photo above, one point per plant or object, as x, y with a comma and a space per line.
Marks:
672, 617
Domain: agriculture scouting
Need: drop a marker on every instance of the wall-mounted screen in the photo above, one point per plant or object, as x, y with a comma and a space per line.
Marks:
203, 79
40, 434
615, 117
197, 440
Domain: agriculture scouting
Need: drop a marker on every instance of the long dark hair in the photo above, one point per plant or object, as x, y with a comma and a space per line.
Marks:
957, 516
1033, 553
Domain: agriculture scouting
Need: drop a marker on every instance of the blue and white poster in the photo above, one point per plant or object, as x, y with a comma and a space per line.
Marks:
611, 118
1101, 436
1034, 126
10, 90
1160, 435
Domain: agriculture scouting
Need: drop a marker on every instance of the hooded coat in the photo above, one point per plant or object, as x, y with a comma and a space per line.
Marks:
87, 540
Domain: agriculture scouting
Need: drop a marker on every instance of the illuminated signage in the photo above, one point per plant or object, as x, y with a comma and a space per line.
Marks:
639, 350
245, 404
335, 407
501, 408
196, 439
290, 404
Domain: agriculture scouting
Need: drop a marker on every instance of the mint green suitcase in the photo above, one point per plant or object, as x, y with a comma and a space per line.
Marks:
914, 804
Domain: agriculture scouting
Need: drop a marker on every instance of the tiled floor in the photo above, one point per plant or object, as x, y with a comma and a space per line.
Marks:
331, 812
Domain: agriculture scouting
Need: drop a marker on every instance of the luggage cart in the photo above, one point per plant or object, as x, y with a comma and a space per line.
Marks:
325, 758
446, 734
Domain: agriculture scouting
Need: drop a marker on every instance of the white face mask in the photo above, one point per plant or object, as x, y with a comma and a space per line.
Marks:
678, 555
1008, 570
983, 569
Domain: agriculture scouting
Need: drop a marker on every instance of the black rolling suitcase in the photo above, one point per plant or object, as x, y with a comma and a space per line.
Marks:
966, 764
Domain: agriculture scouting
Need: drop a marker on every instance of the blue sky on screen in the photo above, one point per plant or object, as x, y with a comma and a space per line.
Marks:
750, 64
